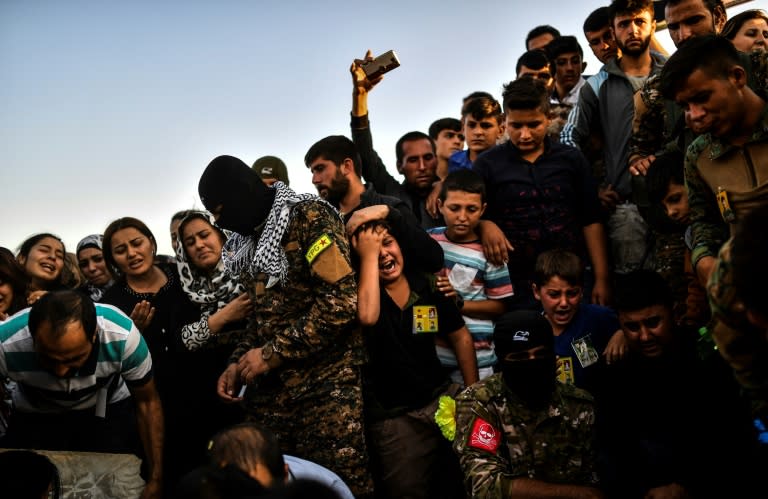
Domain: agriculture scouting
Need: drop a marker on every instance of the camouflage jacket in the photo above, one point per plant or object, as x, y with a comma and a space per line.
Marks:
498, 438
658, 124
740, 343
310, 322
741, 173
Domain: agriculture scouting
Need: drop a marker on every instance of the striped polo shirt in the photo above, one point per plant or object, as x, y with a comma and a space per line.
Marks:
474, 278
120, 356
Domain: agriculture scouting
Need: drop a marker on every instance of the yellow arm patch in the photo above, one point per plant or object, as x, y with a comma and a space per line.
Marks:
321, 244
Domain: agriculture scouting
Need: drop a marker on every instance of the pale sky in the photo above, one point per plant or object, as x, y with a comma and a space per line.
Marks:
111, 109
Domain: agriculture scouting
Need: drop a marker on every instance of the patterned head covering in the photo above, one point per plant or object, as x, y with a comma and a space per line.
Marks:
92, 241
212, 289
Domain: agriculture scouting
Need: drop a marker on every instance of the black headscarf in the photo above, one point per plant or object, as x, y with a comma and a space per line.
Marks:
239, 194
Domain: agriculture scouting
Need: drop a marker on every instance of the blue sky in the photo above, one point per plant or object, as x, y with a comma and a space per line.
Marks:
111, 109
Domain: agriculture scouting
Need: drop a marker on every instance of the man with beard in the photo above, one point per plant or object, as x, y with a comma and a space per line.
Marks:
301, 359
519, 432
606, 109
84, 378
658, 124
335, 166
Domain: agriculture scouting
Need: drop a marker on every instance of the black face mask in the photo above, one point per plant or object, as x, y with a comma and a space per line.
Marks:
532, 380
243, 200
244, 217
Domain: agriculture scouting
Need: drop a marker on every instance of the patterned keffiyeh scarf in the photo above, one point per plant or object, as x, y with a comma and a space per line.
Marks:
211, 290
263, 251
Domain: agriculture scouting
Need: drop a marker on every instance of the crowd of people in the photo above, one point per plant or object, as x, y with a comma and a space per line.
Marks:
570, 306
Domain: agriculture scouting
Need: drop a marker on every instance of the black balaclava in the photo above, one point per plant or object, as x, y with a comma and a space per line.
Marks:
533, 380
244, 199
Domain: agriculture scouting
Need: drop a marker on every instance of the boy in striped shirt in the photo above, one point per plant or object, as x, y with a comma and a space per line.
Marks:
478, 285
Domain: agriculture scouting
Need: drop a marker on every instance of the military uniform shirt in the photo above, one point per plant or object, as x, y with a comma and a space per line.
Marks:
498, 438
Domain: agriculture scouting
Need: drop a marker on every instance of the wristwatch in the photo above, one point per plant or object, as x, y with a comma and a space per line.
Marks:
267, 351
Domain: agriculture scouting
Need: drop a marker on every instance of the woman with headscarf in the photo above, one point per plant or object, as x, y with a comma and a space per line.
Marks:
90, 259
224, 310
224, 303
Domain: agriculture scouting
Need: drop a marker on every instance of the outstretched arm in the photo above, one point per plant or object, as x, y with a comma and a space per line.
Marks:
149, 418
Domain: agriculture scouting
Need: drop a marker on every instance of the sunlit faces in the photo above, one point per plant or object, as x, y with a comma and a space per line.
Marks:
543, 74
93, 266
648, 331
45, 260
676, 203
753, 35
481, 134
202, 244
602, 43
62, 354
526, 129
419, 164
461, 211
633, 32
713, 104
6, 296
560, 301
132, 251
448, 142
687, 19
568, 68
328, 179
391, 261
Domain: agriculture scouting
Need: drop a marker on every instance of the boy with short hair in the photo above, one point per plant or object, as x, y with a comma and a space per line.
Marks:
482, 119
666, 190
586, 336
449, 139
478, 285
541, 193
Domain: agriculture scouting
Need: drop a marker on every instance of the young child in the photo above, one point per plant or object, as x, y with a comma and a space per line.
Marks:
666, 188
482, 119
583, 332
478, 285
401, 312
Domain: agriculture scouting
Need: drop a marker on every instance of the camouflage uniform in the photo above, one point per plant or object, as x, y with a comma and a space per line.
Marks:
658, 123
313, 401
741, 172
740, 343
498, 438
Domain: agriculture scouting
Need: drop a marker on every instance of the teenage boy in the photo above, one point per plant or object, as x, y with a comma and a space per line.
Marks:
540, 193
667, 192
587, 337
483, 127
449, 138
597, 31
478, 285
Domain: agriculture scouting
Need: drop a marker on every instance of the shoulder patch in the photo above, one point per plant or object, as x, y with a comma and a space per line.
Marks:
484, 436
321, 244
